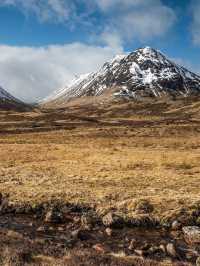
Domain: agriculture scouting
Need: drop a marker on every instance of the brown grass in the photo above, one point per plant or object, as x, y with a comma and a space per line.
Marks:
128, 153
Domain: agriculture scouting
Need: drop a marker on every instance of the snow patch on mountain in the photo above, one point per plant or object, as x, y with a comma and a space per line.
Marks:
144, 73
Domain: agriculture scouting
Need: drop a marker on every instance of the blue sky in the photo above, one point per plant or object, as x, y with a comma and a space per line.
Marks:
46, 43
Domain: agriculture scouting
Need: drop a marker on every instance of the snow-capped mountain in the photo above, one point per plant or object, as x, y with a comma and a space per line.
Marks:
143, 73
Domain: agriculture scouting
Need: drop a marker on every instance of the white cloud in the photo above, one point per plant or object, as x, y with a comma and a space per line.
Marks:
195, 27
60, 11
106, 5
137, 19
33, 73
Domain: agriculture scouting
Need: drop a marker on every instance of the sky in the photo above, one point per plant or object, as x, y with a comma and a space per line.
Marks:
44, 44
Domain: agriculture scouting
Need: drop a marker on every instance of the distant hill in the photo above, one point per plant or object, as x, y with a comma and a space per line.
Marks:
9, 102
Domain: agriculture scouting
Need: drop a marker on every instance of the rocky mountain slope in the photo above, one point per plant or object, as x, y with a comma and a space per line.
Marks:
143, 73
7, 101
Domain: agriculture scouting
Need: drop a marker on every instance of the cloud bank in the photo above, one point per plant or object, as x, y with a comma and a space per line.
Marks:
32, 73
136, 19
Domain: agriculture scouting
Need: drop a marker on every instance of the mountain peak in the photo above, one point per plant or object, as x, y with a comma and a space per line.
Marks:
146, 49
145, 72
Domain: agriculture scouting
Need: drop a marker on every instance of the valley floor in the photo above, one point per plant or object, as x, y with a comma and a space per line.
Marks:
106, 157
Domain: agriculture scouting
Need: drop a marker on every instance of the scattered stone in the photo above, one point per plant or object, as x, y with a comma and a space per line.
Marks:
132, 245
120, 254
41, 229
198, 261
192, 234
109, 231
139, 252
48, 217
54, 216
113, 220
162, 248
171, 250
75, 233
176, 225
99, 248
153, 250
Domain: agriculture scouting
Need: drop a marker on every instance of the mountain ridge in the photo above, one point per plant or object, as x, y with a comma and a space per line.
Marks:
143, 73
9, 102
